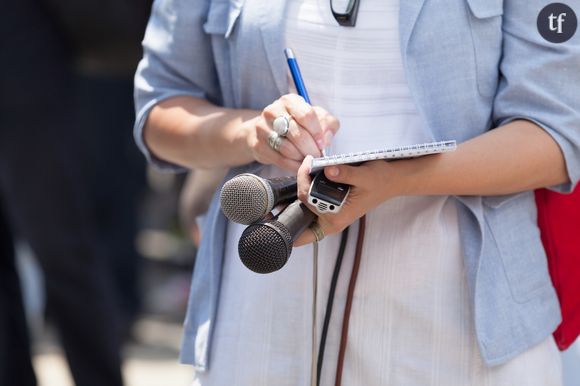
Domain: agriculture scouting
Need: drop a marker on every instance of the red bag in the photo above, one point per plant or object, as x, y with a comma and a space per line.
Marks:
559, 222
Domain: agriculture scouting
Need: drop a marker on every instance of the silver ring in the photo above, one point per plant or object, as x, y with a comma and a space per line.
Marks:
317, 230
281, 125
275, 141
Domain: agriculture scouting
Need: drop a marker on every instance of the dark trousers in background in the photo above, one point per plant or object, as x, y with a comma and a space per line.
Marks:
44, 194
42, 191
15, 362
115, 177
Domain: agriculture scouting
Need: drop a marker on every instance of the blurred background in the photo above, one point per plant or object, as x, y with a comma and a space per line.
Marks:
95, 258
96, 249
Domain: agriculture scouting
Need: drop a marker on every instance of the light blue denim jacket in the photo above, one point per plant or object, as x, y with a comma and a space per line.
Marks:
471, 65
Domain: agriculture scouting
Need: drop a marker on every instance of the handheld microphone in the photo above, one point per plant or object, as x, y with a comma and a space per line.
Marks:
265, 246
247, 198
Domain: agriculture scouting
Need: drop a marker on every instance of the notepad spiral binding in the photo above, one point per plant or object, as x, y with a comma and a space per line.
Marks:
399, 152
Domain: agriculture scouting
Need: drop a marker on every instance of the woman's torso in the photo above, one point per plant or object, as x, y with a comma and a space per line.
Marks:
451, 52
411, 321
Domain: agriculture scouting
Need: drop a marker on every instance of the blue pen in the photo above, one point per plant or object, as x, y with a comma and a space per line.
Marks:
296, 74
297, 77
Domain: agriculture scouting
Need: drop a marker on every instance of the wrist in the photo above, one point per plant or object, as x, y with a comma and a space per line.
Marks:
392, 179
423, 176
408, 175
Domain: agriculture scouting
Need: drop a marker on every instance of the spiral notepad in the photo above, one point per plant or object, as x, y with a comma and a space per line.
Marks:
408, 151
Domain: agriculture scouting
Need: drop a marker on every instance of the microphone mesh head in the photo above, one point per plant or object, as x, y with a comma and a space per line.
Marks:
245, 199
265, 247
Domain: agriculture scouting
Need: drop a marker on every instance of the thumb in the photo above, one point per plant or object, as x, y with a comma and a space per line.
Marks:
350, 175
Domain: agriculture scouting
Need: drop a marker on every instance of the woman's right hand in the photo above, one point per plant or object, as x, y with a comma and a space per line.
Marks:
311, 130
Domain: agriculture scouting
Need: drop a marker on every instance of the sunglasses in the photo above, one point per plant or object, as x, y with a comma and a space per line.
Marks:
347, 18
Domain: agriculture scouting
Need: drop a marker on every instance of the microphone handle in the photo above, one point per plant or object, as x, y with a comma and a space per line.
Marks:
284, 188
296, 218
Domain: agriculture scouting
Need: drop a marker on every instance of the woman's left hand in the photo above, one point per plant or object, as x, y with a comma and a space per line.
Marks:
371, 184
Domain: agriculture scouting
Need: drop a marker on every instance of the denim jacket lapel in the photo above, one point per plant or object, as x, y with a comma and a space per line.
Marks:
409, 11
273, 36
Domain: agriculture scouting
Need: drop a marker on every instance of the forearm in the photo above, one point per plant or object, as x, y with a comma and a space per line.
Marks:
197, 134
516, 157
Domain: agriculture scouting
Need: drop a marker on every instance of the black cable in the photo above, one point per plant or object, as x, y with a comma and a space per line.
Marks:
329, 303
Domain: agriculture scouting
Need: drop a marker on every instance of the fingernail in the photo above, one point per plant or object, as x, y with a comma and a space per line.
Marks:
333, 172
321, 143
328, 138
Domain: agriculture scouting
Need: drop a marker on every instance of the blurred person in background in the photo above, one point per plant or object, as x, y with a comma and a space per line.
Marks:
104, 40
65, 113
46, 205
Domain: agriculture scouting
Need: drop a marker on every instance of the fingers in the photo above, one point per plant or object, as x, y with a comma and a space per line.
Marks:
329, 124
307, 237
355, 175
304, 114
310, 130
285, 163
329, 223
314, 120
287, 158
342, 174
302, 139
274, 157
287, 148
303, 179
300, 136
368, 182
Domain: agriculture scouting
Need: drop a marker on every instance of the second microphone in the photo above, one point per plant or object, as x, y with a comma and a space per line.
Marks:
248, 198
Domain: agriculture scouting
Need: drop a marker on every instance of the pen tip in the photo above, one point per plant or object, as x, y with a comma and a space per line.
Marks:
289, 53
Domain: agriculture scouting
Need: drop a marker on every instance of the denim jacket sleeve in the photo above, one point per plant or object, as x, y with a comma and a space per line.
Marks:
177, 60
540, 81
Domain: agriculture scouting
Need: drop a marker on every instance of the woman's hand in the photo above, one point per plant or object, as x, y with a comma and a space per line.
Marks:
311, 129
371, 184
